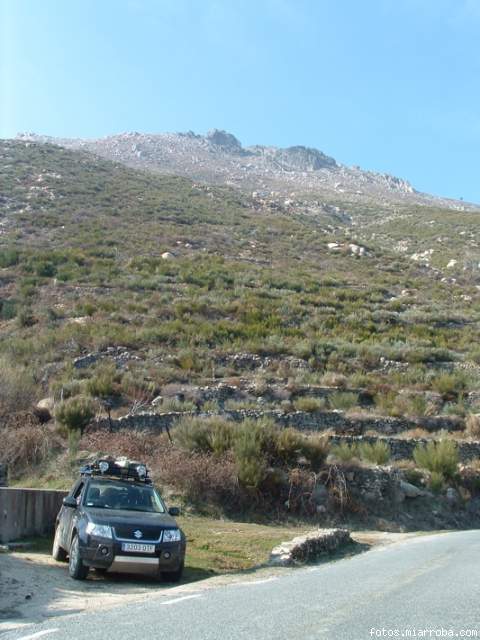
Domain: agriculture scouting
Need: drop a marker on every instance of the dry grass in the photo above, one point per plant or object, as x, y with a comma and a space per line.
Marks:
472, 425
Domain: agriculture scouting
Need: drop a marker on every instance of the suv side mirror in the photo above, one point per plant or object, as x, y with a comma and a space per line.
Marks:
70, 501
174, 511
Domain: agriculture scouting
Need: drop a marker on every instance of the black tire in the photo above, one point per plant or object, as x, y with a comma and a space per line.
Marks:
58, 553
76, 568
172, 576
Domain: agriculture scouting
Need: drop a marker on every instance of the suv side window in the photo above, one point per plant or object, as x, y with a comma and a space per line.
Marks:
77, 494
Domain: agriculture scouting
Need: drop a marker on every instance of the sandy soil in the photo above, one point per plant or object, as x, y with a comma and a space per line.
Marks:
33, 587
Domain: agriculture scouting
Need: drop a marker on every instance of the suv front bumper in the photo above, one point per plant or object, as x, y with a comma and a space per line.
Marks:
108, 554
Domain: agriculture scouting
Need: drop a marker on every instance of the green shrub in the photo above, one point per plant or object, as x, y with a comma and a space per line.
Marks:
172, 404
25, 317
249, 442
316, 449
309, 404
345, 452
450, 384
255, 445
441, 457
193, 435
8, 309
436, 482
75, 413
377, 452
343, 401
289, 446
9, 258
103, 383
221, 436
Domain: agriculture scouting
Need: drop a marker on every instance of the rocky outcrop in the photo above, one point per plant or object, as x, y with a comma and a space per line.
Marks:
302, 159
309, 547
225, 140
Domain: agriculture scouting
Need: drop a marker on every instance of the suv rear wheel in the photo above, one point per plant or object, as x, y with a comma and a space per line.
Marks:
76, 568
58, 552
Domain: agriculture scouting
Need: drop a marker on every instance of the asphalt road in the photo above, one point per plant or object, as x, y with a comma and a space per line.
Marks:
423, 584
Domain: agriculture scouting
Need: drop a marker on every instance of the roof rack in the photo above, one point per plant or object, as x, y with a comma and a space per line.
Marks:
118, 468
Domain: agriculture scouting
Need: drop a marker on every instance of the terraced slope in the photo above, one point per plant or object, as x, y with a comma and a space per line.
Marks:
83, 261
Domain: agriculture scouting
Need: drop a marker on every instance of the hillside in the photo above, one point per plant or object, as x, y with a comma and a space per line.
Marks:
295, 173
124, 285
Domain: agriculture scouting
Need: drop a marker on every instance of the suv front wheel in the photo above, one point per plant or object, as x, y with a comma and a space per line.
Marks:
58, 552
172, 576
76, 568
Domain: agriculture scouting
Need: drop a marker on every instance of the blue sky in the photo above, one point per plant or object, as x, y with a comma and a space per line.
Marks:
391, 85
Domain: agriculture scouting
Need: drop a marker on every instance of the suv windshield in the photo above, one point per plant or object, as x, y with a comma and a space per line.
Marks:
109, 494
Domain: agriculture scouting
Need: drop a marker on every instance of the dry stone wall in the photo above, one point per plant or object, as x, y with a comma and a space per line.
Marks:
402, 449
304, 421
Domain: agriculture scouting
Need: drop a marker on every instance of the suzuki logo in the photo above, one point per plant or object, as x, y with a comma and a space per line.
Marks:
138, 534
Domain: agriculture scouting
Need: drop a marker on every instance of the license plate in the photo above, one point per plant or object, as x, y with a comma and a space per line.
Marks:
138, 548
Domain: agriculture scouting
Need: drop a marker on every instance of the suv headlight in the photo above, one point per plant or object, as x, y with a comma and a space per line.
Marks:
99, 530
171, 535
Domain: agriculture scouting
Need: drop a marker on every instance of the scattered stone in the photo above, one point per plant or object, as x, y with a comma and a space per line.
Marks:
410, 490
46, 403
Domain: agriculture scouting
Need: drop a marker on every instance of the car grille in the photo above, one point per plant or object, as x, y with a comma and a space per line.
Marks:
127, 532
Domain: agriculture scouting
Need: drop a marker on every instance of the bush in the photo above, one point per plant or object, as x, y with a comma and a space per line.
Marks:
27, 447
377, 453
17, 388
309, 404
203, 435
345, 452
436, 481
9, 257
251, 439
450, 384
172, 404
103, 383
441, 457
25, 317
255, 446
75, 413
316, 449
8, 309
343, 401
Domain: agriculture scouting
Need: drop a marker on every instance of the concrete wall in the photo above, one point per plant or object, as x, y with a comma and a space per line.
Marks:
27, 512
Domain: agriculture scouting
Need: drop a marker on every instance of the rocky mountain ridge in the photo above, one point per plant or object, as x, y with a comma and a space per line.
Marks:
219, 158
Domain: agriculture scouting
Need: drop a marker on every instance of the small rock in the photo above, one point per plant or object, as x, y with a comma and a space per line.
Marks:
46, 403
410, 490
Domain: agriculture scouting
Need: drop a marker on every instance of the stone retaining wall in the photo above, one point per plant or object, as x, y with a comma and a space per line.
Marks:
403, 449
304, 421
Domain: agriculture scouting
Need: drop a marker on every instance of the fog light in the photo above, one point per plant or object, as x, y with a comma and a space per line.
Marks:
166, 555
104, 551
